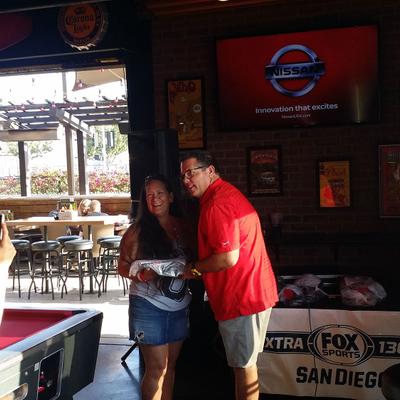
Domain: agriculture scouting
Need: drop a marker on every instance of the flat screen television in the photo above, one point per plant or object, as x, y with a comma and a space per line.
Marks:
327, 76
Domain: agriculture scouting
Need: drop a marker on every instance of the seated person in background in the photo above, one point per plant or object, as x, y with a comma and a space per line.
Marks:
95, 209
83, 209
7, 253
54, 214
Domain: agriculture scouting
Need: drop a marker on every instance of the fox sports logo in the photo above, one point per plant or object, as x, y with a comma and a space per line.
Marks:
277, 73
340, 345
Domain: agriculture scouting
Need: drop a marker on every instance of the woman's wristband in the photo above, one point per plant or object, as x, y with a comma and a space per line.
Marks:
139, 276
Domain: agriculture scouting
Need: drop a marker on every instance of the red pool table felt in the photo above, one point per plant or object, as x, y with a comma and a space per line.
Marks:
19, 324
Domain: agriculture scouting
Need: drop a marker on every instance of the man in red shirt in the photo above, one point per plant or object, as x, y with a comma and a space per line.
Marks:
234, 265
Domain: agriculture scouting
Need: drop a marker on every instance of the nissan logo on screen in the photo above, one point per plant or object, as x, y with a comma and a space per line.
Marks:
311, 70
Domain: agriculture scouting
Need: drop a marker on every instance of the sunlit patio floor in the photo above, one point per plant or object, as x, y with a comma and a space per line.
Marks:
112, 303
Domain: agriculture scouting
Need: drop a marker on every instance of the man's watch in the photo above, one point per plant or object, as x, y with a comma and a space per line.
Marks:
194, 270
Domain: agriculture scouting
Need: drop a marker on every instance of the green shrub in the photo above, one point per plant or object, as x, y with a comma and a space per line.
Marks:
9, 186
55, 182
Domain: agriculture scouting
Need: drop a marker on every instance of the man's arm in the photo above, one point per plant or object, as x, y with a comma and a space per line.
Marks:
213, 263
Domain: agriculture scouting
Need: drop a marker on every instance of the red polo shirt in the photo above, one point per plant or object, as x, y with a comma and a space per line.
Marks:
228, 222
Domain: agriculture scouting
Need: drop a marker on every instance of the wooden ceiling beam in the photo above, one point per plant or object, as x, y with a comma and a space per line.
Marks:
75, 123
82, 114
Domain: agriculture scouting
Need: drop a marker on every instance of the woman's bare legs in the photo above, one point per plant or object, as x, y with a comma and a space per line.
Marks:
159, 375
168, 386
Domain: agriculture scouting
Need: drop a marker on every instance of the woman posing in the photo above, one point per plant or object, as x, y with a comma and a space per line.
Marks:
158, 305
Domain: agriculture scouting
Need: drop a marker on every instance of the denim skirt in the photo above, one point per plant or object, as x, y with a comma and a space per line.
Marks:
149, 324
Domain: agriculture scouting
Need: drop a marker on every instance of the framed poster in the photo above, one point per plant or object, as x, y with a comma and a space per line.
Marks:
186, 112
264, 172
389, 180
334, 183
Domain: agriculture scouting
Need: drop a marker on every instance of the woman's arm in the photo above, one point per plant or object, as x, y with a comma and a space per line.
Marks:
128, 253
128, 250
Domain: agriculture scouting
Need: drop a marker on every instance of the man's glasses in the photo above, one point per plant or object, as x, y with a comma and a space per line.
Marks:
188, 174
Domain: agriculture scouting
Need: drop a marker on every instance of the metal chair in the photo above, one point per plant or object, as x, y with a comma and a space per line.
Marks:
22, 262
79, 264
46, 259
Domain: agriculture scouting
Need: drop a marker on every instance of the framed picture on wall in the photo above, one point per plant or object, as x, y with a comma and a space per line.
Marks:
186, 111
334, 183
264, 171
389, 180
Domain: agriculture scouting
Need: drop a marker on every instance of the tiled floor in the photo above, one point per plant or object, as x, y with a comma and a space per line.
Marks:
113, 380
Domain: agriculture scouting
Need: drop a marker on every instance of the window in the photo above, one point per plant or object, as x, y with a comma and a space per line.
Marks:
58, 123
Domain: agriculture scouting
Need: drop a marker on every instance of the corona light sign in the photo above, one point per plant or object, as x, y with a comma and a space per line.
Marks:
83, 26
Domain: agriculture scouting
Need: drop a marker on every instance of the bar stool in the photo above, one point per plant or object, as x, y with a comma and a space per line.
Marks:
78, 255
98, 260
65, 238
97, 255
111, 237
31, 237
62, 239
31, 234
108, 261
22, 262
46, 259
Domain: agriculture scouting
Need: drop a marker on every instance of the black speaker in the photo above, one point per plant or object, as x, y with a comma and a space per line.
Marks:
153, 152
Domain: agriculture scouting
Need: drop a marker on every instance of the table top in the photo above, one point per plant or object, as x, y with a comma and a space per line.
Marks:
44, 221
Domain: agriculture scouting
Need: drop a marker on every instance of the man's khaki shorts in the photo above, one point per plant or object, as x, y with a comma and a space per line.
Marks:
244, 338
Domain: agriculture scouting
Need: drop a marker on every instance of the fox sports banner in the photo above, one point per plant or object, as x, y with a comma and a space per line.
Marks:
329, 353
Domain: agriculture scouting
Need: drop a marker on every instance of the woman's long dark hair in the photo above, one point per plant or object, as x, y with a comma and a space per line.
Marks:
153, 240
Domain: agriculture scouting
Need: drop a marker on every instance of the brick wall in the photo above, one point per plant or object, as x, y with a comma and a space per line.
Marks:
184, 46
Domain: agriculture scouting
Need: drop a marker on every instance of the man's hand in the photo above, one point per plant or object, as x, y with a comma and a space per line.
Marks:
213, 263
187, 273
